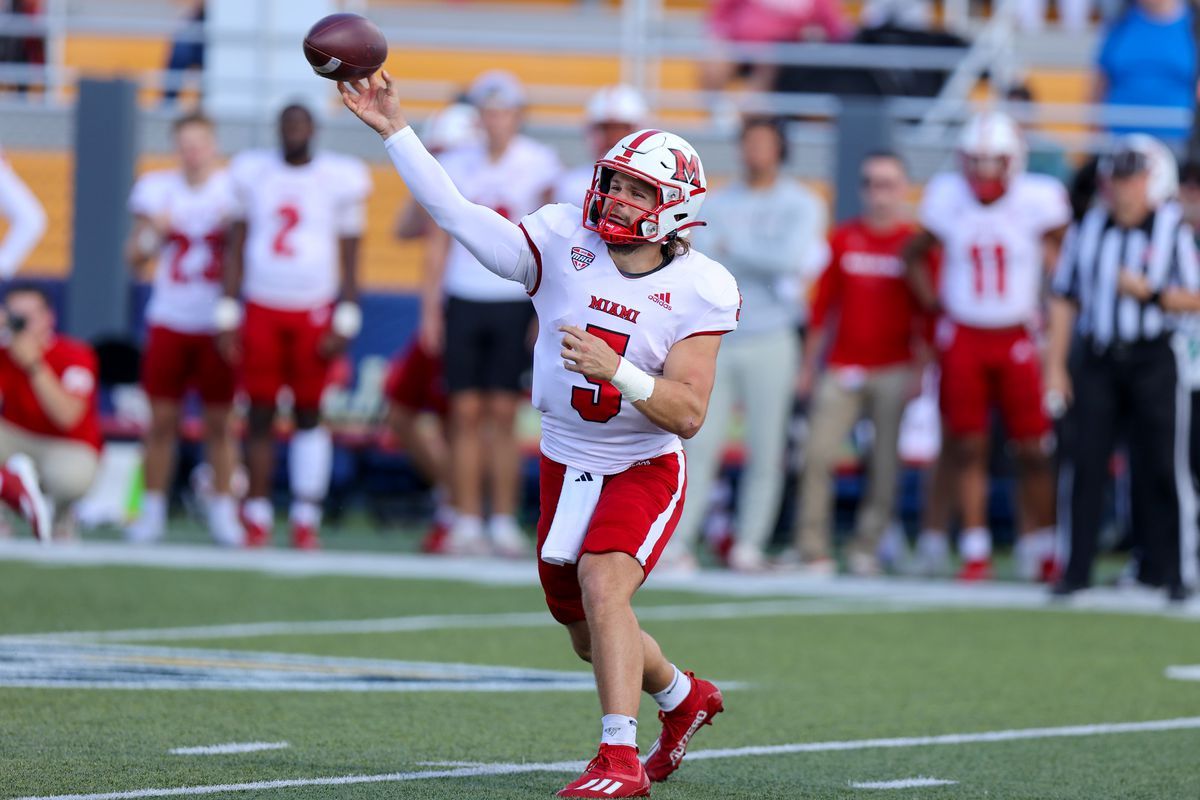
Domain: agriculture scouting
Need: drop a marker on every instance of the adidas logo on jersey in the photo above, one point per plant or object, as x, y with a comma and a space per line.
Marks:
662, 298
616, 309
584, 477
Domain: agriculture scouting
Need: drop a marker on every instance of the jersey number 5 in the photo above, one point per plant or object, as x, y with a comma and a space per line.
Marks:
602, 403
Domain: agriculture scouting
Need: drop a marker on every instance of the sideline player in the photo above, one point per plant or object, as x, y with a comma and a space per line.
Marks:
416, 384
180, 217
483, 322
999, 227
302, 215
618, 378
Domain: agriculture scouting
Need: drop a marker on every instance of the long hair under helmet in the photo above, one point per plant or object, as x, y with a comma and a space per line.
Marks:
670, 165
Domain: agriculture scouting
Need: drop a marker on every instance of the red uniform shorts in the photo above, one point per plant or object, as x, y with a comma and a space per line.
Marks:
415, 381
984, 368
174, 362
637, 513
282, 348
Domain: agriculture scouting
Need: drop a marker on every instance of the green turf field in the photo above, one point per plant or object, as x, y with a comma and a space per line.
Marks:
831, 678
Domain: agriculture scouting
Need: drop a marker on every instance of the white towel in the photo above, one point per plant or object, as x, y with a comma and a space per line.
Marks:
576, 503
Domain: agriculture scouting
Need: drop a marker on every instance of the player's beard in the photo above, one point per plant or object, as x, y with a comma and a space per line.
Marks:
626, 249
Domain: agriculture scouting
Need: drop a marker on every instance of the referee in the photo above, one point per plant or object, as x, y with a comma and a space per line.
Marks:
1116, 265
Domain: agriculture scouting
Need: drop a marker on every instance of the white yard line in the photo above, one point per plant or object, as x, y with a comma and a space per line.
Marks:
493, 572
1184, 673
439, 622
486, 770
228, 748
904, 783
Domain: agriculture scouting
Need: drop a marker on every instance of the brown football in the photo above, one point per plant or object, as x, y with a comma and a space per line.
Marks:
345, 47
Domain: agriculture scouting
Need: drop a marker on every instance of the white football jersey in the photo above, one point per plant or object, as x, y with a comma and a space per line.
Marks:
187, 278
295, 216
514, 186
587, 424
993, 262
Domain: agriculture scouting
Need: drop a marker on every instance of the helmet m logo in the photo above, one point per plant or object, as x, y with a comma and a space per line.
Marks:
687, 168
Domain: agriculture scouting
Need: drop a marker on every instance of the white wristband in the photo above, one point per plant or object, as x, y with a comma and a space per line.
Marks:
227, 314
347, 319
631, 382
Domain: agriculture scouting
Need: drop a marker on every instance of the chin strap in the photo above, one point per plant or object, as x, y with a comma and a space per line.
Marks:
616, 233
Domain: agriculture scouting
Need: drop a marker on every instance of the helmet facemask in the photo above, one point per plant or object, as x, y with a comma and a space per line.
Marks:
988, 175
599, 205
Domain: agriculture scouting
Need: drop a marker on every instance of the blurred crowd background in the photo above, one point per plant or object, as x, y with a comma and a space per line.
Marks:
809, 115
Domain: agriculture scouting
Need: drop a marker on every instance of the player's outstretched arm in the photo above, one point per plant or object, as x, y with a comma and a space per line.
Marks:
497, 243
678, 400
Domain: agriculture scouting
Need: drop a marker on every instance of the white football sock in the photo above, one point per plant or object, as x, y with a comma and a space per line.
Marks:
670, 698
310, 461
304, 512
223, 523
260, 511
618, 729
154, 511
975, 544
1031, 550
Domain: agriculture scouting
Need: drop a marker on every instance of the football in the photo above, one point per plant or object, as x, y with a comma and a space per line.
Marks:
345, 47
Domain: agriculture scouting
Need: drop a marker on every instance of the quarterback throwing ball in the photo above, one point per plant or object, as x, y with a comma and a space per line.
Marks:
631, 321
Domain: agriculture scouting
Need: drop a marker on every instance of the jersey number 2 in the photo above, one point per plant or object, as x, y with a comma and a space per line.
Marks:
289, 218
603, 402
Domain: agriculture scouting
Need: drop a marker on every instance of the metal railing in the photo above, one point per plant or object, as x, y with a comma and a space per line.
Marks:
648, 37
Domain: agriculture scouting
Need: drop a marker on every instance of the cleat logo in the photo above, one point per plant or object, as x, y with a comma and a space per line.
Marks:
681, 748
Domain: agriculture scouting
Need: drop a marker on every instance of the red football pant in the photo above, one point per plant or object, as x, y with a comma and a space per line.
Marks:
984, 368
637, 513
283, 348
173, 362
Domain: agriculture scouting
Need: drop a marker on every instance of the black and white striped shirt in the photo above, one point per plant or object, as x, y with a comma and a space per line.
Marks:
1095, 251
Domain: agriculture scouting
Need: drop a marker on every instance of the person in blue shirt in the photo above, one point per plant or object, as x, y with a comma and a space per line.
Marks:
1148, 58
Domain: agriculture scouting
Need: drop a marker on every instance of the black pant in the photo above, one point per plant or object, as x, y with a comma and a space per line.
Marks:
1127, 390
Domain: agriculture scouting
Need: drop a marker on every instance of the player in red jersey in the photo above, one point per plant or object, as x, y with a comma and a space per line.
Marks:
866, 315
631, 320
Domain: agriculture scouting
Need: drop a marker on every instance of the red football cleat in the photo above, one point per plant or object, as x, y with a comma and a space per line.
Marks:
1050, 571
435, 538
976, 571
304, 537
256, 535
703, 703
614, 772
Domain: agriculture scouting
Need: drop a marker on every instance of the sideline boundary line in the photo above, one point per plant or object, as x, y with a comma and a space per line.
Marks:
440, 622
490, 572
489, 770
